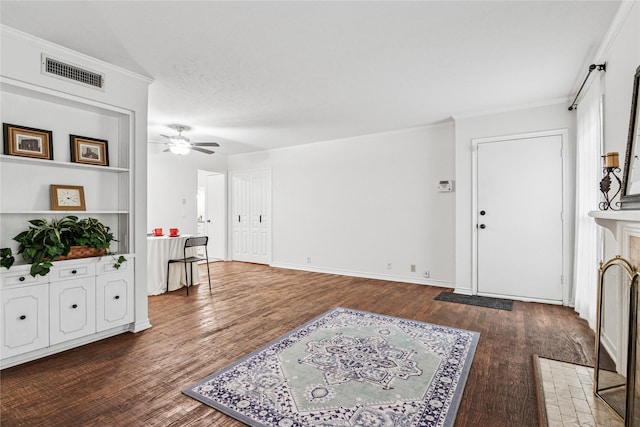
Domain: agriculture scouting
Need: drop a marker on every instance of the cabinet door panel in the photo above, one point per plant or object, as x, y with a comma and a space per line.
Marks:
72, 307
25, 319
114, 300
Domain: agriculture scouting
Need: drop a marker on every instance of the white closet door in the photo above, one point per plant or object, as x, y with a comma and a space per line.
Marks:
259, 217
251, 216
240, 216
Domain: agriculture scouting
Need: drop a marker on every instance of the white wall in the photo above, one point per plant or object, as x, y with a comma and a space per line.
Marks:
172, 187
622, 57
357, 204
551, 117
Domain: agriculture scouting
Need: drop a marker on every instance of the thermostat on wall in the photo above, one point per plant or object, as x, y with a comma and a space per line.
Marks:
445, 186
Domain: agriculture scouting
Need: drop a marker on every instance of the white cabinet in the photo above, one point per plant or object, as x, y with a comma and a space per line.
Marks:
114, 296
116, 112
78, 302
25, 318
72, 307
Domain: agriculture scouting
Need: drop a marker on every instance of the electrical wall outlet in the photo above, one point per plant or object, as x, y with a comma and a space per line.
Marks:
427, 274
308, 260
413, 268
388, 266
446, 185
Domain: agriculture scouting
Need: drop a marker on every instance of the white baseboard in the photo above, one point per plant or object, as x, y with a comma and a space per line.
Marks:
389, 277
517, 298
140, 326
57, 348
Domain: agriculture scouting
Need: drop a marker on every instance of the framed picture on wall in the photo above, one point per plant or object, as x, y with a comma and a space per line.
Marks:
27, 142
90, 151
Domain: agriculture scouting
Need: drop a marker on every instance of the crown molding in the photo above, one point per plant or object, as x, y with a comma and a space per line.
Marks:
599, 56
471, 114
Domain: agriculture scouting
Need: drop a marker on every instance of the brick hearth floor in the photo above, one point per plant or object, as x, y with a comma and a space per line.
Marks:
569, 398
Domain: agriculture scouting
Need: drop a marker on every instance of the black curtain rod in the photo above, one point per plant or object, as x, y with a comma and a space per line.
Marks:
600, 67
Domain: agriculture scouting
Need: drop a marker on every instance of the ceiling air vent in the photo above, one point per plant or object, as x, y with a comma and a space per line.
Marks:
63, 70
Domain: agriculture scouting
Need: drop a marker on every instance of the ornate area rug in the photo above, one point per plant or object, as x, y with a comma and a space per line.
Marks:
347, 368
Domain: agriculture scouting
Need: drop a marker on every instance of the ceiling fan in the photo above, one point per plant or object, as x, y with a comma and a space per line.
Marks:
179, 144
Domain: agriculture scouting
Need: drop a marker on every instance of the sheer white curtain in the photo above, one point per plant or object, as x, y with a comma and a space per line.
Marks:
588, 175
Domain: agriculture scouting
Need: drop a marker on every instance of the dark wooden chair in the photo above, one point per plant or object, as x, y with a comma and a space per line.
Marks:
190, 243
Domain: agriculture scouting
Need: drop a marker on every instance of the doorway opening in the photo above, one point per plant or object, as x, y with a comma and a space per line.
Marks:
211, 198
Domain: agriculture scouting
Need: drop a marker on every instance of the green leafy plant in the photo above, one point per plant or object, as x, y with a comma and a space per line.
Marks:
118, 261
91, 232
6, 258
45, 240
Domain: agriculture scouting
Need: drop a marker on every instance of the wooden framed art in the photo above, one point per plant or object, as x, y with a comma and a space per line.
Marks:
27, 142
67, 198
90, 151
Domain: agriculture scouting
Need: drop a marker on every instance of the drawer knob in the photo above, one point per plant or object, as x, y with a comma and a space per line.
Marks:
22, 278
116, 297
74, 271
74, 306
23, 317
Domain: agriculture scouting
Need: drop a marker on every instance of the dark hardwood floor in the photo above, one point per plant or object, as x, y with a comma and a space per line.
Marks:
136, 379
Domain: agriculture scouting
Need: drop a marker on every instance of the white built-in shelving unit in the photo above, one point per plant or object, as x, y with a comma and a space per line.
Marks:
84, 300
25, 181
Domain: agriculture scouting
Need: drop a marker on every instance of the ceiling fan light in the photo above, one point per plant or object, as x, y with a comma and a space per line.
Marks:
179, 139
179, 149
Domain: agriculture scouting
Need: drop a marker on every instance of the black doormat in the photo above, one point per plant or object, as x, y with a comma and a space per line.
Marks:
498, 303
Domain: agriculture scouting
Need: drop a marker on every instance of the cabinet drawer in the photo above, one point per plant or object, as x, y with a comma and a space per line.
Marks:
20, 278
107, 266
72, 271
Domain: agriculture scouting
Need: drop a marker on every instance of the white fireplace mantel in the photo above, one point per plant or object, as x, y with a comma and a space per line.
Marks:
625, 227
613, 220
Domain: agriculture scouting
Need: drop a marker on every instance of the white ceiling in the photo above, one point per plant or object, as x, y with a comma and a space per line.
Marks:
266, 74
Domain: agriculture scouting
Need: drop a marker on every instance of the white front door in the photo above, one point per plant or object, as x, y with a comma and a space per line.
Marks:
519, 230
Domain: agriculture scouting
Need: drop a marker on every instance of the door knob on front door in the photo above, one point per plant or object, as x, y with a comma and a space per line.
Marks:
483, 226
483, 213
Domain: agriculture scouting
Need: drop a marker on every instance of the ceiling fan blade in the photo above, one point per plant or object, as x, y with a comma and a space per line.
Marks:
205, 144
164, 151
155, 142
202, 150
165, 136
